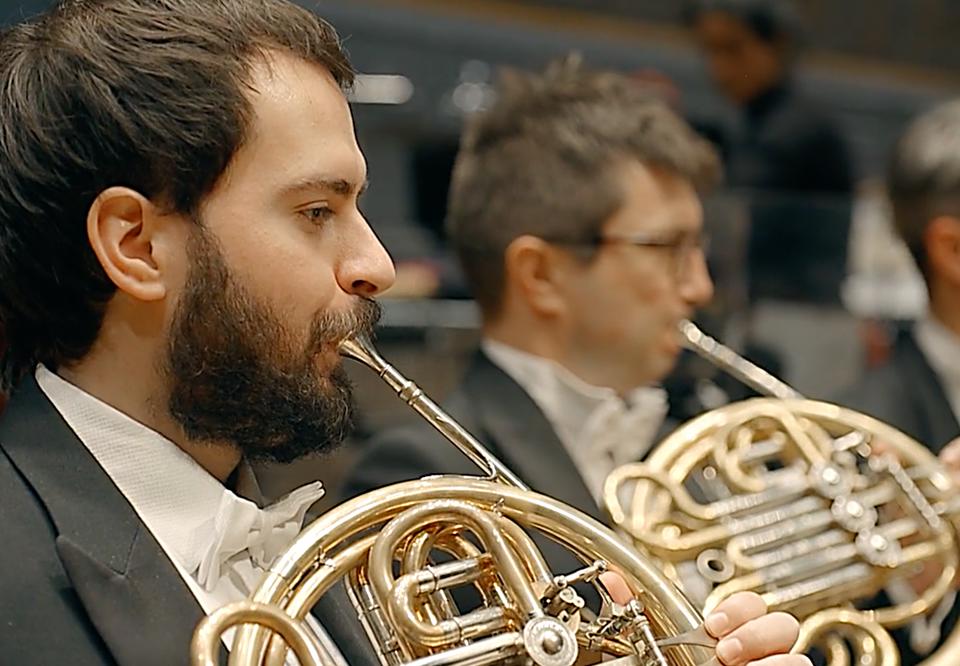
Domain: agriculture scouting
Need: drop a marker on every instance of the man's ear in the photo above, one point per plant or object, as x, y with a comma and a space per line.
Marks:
535, 271
122, 227
942, 244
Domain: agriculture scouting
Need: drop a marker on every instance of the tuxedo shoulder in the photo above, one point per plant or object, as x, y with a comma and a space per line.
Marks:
28, 557
40, 613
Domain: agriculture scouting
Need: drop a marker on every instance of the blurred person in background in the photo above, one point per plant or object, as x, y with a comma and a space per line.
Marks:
575, 213
918, 388
788, 160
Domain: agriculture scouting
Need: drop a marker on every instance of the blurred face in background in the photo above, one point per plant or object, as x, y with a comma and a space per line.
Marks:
647, 274
741, 63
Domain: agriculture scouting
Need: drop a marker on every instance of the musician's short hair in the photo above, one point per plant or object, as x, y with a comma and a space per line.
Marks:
542, 160
923, 179
149, 94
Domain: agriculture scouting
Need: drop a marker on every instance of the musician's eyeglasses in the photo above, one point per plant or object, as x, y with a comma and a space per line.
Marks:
682, 246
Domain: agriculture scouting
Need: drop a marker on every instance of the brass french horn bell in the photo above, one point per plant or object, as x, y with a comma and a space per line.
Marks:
387, 546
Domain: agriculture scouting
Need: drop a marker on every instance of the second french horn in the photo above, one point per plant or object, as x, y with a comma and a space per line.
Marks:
817, 508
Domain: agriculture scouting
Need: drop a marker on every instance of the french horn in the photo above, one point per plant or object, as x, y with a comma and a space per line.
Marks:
815, 507
387, 546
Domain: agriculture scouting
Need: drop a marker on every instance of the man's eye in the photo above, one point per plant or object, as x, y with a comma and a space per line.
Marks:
317, 214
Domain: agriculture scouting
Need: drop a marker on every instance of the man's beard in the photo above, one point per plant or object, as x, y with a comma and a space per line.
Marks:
238, 375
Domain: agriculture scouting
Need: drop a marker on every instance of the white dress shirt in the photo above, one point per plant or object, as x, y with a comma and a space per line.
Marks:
599, 429
218, 541
941, 347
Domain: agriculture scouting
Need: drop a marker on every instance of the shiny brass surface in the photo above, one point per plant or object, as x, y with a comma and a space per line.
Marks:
392, 548
815, 507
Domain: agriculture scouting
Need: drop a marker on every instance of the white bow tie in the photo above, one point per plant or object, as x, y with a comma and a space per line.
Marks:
625, 433
240, 525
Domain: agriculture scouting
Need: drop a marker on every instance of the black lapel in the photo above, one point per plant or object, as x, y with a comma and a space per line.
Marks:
523, 437
929, 396
129, 588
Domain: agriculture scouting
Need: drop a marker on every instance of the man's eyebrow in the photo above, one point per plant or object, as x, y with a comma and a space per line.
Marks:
338, 186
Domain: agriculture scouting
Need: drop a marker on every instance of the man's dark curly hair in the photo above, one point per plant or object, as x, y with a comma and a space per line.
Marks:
148, 94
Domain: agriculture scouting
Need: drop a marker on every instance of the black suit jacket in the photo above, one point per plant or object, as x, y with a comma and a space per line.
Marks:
82, 580
906, 393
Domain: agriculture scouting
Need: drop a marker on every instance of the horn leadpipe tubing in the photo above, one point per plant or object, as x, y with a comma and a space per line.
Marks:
740, 368
359, 349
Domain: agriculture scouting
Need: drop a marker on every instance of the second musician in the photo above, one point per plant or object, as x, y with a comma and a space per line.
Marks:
575, 212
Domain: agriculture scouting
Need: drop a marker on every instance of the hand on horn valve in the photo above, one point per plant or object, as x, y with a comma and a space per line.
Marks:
749, 635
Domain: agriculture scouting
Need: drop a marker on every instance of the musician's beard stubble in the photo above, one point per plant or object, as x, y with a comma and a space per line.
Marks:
237, 375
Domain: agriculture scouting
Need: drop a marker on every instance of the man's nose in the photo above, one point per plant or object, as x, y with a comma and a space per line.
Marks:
366, 268
696, 287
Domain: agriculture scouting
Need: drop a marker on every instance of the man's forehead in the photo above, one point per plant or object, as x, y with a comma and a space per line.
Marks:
276, 67
288, 91
302, 132
656, 199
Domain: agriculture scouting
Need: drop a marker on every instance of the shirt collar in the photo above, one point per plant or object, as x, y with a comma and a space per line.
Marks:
530, 369
579, 411
550, 385
185, 508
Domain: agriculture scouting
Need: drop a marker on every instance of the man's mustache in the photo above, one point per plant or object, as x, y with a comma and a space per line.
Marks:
331, 328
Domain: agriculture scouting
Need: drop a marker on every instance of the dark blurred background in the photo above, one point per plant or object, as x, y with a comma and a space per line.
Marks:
867, 65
